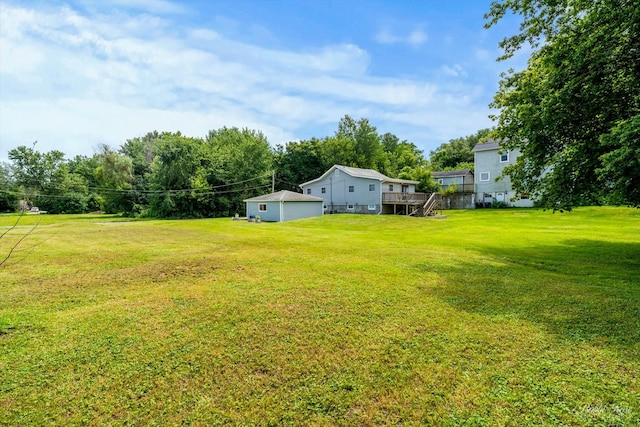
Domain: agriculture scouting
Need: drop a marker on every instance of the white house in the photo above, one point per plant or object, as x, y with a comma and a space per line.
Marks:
490, 186
284, 206
355, 190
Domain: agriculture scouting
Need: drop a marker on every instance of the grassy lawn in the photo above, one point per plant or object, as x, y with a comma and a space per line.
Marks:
487, 317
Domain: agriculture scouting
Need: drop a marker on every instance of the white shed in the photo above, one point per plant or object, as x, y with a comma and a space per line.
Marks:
284, 206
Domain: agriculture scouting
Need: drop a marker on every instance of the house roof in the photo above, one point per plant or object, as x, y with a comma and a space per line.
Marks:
447, 174
361, 173
490, 144
284, 196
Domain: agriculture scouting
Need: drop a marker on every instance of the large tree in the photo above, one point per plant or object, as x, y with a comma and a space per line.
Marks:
179, 186
355, 143
242, 167
457, 153
400, 155
297, 162
114, 174
9, 194
46, 181
367, 150
141, 150
573, 112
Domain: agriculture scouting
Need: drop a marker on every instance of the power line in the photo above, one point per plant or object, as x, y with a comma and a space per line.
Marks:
13, 248
199, 191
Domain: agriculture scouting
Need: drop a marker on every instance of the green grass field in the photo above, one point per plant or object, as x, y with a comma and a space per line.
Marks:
487, 317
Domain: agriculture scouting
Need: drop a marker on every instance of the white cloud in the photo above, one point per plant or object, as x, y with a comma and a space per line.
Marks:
153, 6
415, 38
72, 80
455, 70
204, 34
385, 36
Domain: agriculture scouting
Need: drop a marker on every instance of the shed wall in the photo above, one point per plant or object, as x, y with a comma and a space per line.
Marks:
299, 210
272, 213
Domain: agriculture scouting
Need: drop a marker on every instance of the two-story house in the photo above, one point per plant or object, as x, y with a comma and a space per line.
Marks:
347, 189
490, 185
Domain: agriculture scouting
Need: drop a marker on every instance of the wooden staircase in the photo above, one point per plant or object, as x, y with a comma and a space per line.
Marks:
433, 203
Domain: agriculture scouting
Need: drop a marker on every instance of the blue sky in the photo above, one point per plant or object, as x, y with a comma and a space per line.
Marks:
76, 74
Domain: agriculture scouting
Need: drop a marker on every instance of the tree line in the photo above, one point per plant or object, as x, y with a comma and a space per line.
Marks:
165, 174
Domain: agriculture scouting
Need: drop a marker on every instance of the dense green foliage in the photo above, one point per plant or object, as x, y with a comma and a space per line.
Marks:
45, 180
620, 170
105, 321
298, 162
172, 175
457, 154
9, 195
573, 112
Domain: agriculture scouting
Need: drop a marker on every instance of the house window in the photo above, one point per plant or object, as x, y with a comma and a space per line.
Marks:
323, 190
390, 187
350, 207
351, 189
336, 173
371, 207
308, 191
484, 176
372, 187
262, 207
504, 157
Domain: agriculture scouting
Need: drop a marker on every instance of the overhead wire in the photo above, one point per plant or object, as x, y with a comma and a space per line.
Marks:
199, 191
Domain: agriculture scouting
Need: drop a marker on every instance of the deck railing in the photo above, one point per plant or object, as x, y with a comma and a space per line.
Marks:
404, 198
432, 204
460, 188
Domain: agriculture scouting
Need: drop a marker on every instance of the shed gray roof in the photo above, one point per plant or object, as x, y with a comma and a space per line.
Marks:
284, 196
491, 144
362, 173
446, 174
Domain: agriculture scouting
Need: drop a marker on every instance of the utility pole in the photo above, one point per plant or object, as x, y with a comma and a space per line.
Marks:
273, 181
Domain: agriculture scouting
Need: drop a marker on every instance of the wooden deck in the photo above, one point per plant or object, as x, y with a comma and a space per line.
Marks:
421, 204
404, 198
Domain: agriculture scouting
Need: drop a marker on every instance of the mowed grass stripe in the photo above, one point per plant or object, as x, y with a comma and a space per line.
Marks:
488, 317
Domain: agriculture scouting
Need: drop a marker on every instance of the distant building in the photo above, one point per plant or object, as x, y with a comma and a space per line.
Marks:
490, 186
457, 187
284, 206
461, 180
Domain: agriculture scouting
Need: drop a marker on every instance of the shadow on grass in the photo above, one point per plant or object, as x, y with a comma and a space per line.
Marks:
583, 290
